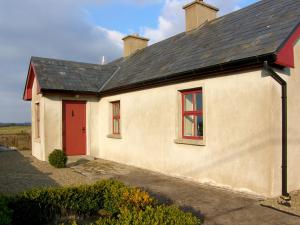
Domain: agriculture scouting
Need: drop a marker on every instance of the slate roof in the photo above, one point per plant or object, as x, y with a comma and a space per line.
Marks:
257, 30
62, 75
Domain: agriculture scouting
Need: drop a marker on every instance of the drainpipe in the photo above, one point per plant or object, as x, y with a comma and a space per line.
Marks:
283, 84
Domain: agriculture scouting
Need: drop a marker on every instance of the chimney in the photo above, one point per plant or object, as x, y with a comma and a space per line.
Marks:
197, 13
133, 43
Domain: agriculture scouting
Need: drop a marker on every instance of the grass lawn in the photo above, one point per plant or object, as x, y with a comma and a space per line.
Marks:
15, 130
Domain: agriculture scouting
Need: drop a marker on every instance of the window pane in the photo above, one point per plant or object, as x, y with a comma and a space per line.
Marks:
116, 109
199, 102
188, 102
199, 127
37, 125
189, 126
116, 128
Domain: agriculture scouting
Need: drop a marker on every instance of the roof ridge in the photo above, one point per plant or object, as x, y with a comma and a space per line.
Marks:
255, 31
64, 60
237, 11
204, 25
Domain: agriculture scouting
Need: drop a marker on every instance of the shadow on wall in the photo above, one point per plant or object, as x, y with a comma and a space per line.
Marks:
17, 174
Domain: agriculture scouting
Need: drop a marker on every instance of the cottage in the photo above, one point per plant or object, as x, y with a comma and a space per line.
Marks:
218, 103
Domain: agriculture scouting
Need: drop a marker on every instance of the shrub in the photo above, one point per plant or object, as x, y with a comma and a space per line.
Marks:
158, 215
112, 201
41, 206
5, 211
26, 211
58, 159
136, 198
116, 195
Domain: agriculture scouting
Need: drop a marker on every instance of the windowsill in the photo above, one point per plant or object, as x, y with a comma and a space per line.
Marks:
190, 142
115, 136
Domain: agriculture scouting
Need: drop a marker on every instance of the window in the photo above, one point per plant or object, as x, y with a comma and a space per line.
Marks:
116, 117
192, 114
37, 120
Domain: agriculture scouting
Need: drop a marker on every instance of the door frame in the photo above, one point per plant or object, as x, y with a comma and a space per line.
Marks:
64, 123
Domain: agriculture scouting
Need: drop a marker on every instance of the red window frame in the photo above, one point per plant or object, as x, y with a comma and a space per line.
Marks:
116, 105
194, 112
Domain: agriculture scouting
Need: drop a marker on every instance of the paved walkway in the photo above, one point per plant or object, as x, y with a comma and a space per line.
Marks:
20, 171
219, 207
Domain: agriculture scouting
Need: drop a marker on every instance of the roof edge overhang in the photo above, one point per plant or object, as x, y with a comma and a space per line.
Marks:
73, 92
31, 76
285, 53
203, 73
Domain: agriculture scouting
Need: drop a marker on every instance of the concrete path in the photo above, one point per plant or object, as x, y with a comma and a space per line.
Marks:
218, 207
19, 171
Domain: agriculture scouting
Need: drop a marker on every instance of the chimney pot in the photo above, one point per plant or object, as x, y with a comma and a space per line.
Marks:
133, 43
197, 13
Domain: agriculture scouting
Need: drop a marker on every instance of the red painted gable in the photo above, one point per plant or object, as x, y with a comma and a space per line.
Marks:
29, 83
285, 56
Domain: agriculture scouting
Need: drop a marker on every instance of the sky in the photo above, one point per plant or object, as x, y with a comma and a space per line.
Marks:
79, 30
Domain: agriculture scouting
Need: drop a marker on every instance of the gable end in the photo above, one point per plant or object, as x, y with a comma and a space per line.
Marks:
31, 76
285, 56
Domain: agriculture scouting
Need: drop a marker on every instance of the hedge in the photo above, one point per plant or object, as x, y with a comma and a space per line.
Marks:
110, 201
158, 215
5, 211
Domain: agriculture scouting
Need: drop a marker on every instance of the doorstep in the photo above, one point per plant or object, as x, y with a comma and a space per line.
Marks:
79, 159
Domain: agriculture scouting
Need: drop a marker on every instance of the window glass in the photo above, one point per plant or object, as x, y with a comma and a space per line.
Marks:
199, 126
188, 102
189, 126
116, 126
199, 103
37, 116
116, 109
192, 114
116, 117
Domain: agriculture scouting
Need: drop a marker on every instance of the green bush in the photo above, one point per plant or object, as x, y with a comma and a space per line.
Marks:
5, 211
116, 195
158, 215
58, 159
27, 211
41, 206
110, 200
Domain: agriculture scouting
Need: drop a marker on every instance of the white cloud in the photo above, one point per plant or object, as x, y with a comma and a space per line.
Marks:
56, 29
114, 36
170, 22
60, 29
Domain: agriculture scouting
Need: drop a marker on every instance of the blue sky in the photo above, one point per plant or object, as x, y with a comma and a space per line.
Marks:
129, 18
80, 30
123, 17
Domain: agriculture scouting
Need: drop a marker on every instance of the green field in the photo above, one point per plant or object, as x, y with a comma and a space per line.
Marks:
15, 130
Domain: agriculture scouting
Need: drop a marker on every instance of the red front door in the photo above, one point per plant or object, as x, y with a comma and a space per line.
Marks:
74, 127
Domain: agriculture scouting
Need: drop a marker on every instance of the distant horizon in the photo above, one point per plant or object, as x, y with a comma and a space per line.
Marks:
16, 123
